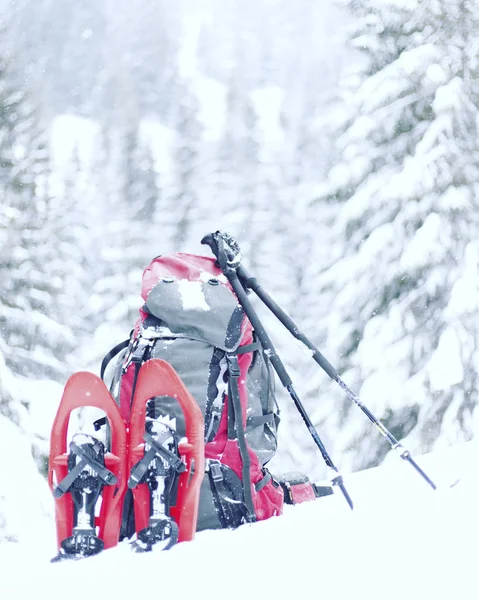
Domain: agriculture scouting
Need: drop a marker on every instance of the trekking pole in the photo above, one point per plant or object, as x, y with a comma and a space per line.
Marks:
249, 282
222, 247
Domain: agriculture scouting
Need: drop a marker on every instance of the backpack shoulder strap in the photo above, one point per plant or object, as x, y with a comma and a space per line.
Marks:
248, 348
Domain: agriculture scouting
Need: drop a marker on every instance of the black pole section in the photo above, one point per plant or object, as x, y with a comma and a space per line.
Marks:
251, 283
229, 269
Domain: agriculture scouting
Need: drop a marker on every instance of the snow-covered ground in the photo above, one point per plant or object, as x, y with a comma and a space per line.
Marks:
403, 540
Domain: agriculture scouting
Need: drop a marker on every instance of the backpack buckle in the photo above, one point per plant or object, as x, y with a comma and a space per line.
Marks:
233, 365
216, 472
137, 353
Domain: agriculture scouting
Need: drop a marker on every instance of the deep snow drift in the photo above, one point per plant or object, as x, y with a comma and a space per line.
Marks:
403, 540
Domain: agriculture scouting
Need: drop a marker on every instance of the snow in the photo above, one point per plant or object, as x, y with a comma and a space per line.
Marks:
69, 134
187, 60
403, 540
456, 198
42, 397
210, 93
426, 245
20, 481
268, 103
212, 105
463, 298
396, 80
161, 140
445, 366
192, 295
448, 97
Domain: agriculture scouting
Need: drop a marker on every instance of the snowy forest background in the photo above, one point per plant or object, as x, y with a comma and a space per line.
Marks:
337, 142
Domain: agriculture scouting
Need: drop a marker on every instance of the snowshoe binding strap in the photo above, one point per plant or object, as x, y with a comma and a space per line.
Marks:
156, 449
88, 452
86, 477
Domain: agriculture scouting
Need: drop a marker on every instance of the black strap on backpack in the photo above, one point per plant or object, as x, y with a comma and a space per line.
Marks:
235, 404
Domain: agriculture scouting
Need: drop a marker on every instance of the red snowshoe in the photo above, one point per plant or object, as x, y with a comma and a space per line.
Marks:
89, 481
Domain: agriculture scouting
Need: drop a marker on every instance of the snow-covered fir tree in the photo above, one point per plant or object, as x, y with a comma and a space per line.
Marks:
401, 315
33, 339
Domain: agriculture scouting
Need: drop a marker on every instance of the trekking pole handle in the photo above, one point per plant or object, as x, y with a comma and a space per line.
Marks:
225, 248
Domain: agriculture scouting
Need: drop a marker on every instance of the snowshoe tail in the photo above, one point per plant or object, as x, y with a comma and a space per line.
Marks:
165, 472
80, 475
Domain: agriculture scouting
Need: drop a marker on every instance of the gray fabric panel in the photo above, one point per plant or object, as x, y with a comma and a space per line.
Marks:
260, 384
191, 360
196, 310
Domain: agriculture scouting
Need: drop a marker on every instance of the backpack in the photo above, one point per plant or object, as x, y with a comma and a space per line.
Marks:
192, 319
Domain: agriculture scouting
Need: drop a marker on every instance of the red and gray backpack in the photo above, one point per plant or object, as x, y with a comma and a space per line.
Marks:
191, 318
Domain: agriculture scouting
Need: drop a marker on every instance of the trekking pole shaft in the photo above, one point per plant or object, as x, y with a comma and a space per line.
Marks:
285, 379
251, 282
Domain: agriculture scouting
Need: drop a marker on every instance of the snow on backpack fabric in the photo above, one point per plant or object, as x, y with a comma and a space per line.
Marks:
192, 319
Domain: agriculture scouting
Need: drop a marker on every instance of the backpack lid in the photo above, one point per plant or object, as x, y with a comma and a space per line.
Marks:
193, 299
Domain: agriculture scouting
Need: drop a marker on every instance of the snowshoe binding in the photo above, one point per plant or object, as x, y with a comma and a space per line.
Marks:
86, 477
159, 470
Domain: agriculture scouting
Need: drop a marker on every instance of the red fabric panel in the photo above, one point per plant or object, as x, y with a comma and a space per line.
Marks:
302, 492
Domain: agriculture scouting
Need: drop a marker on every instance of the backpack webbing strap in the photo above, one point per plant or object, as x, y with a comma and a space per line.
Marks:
259, 485
248, 348
260, 420
113, 352
235, 404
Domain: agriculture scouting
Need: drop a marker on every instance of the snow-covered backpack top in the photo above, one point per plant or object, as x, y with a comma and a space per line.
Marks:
191, 318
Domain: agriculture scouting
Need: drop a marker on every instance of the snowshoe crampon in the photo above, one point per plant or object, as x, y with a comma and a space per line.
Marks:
163, 472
